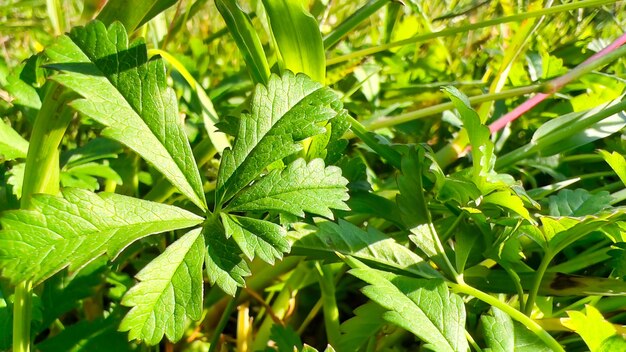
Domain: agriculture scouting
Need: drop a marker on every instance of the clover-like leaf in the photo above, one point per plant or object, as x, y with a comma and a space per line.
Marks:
169, 291
128, 94
77, 228
299, 188
283, 113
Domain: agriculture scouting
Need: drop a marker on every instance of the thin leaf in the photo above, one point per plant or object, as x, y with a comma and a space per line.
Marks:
299, 188
132, 13
169, 292
246, 38
424, 307
297, 37
129, 95
283, 113
75, 229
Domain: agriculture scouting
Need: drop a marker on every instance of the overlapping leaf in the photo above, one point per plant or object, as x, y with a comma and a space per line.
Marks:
299, 188
75, 229
173, 277
257, 237
372, 246
502, 334
282, 114
129, 95
424, 307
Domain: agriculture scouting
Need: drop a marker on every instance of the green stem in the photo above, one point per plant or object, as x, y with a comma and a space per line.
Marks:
512, 312
41, 175
389, 121
467, 28
223, 321
532, 294
386, 153
331, 312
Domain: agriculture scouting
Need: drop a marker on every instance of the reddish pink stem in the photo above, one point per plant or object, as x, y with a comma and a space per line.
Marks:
557, 84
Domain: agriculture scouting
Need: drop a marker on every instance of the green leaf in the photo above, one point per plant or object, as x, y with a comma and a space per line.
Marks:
169, 291
424, 307
578, 203
483, 157
12, 145
299, 188
75, 229
613, 343
371, 246
298, 38
246, 38
617, 163
224, 264
100, 335
264, 239
411, 200
132, 13
502, 334
285, 338
507, 200
282, 114
357, 330
591, 326
129, 95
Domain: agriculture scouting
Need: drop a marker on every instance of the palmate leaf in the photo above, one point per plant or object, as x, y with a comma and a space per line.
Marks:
590, 325
175, 276
424, 307
129, 95
299, 188
75, 229
285, 112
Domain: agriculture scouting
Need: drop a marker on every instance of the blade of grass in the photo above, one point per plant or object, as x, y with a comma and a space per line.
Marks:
466, 28
353, 21
297, 38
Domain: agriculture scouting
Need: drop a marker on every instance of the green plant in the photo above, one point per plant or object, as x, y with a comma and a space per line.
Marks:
271, 188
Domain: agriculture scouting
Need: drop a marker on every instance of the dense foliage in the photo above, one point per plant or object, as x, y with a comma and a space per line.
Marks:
312, 175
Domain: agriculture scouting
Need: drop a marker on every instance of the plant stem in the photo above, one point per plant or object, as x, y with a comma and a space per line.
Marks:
467, 28
331, 312
512, 312
223, 321
41, 175
532, 294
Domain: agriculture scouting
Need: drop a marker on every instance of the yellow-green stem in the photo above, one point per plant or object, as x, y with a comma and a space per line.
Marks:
41, 175
512, 312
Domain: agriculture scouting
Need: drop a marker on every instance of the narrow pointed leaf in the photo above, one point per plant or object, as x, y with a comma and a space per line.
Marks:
424, 307
299, 188
169, 292
129, 95
298, 38
246, 38
257, 237
132, 13
77, 228
282, 114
